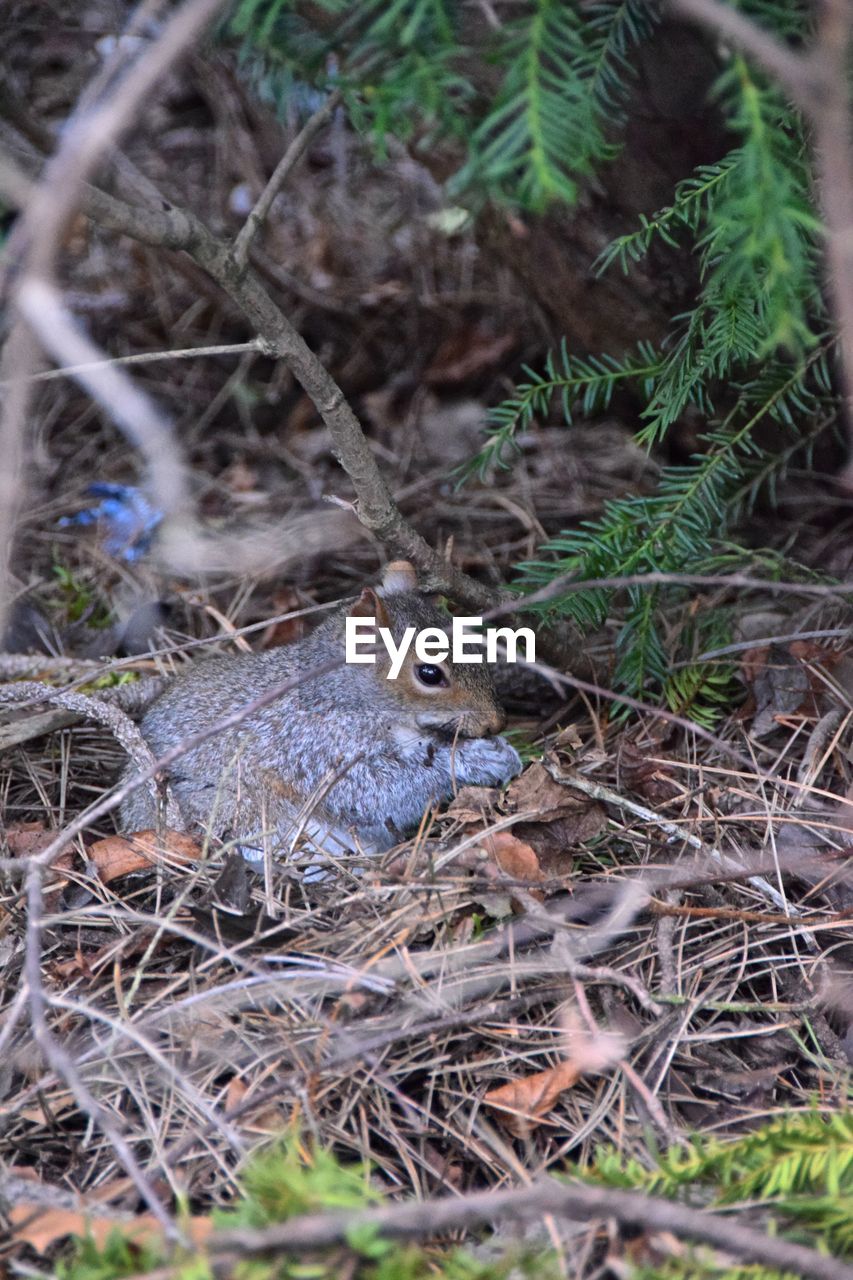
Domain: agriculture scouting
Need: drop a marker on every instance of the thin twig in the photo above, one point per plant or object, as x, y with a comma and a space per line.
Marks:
569, 583
286, 164
143, 357
179, 229
139, 417
606, 795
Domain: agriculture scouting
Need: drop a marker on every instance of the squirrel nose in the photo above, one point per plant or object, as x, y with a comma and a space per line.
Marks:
497, 721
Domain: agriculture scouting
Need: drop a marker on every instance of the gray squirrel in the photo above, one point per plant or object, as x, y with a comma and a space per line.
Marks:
347, 760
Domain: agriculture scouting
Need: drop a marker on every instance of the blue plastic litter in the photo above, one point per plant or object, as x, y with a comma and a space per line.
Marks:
126, 519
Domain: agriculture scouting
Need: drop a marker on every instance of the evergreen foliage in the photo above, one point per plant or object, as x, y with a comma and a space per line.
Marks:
754, 347
800, 1166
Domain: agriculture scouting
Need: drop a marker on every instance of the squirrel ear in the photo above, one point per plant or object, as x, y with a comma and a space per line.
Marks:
368, 605
399, 576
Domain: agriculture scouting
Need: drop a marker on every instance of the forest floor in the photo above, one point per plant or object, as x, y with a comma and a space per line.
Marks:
644, 940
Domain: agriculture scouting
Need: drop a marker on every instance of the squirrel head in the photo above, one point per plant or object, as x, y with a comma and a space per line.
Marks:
443, 697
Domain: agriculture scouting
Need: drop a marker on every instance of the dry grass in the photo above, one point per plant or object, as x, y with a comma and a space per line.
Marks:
378, 1007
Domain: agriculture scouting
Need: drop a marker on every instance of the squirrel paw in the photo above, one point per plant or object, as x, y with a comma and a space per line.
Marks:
485, 762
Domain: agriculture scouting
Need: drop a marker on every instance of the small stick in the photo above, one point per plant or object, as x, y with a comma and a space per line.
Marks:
596, 791
142, 357
286, 164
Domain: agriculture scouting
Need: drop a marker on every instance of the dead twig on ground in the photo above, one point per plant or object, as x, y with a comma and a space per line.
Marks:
569, 1200
606, 795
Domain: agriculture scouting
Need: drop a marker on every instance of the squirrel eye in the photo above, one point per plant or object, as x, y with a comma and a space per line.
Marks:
429, 675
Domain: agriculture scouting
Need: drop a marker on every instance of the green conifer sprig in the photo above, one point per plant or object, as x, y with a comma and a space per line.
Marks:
544, 128
615, 28
581, 385
800, 1164
678, 530
694, 197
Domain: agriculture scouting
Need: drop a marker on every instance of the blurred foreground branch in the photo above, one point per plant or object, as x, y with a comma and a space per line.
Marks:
817, 81
562, 1199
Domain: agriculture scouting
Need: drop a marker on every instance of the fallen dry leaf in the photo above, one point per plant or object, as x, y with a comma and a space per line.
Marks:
553, 842
26, 838
41, 1228
512, 856
556, 819
235, 1092
782, 682
523, 1104
535, 794
569, 738
287, 630
644, 776
473, 804
119, 855
507, 856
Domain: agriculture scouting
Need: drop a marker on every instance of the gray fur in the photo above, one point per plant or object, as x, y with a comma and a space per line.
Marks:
348, 758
